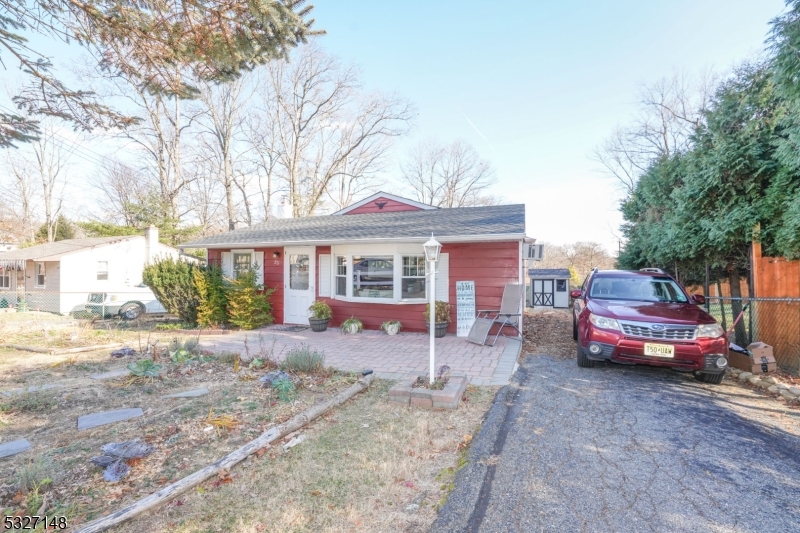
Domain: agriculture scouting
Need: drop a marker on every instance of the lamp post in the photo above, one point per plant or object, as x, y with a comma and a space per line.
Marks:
432, 249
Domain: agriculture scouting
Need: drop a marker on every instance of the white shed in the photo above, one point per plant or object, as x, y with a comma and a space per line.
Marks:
549, 287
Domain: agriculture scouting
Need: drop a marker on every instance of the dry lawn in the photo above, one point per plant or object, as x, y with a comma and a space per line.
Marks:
359, 467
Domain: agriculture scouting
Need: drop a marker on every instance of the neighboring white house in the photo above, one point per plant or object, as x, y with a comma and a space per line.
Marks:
58, 276
7, 246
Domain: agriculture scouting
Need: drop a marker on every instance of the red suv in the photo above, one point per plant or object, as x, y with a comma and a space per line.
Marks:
646, 318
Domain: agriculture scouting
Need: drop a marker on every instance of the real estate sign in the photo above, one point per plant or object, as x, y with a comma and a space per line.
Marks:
465, 307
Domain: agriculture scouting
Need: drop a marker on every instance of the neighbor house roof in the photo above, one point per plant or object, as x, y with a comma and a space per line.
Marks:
52, 251
462, 224
548, 273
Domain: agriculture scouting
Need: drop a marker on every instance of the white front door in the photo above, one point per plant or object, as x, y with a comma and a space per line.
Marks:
298, 280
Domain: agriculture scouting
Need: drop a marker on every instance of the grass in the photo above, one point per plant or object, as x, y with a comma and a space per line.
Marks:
32, 402
360, 466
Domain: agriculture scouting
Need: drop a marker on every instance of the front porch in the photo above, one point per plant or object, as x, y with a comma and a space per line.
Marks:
389, 357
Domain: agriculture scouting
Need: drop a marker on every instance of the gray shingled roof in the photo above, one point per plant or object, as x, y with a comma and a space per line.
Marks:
447, 224
58, 248
548, 273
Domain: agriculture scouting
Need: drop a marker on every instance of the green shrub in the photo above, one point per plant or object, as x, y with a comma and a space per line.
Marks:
285, 388
304, 359
320, 310
172, 282
248, 304
442, 312
212, 296
145, 368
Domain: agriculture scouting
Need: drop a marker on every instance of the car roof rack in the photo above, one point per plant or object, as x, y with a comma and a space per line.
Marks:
654, 270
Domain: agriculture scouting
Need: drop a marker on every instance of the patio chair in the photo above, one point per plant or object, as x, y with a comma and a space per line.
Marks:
507, 315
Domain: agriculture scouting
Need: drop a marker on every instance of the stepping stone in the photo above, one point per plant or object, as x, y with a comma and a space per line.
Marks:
107, 417
14, 447
32, 388
194, 393
111, 374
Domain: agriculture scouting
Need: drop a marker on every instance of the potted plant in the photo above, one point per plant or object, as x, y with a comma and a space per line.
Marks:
352, 325
320, 316
442, 318
391, 327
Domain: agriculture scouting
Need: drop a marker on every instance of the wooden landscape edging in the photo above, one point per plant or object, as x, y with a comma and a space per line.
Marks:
227, 462
62, 351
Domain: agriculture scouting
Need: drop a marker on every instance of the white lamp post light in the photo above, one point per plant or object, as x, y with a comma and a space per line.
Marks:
432, 249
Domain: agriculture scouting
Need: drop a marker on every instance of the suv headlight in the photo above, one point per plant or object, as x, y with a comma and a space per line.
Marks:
604, 322
709, 331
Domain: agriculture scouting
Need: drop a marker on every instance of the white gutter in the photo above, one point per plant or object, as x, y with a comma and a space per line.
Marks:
330, 242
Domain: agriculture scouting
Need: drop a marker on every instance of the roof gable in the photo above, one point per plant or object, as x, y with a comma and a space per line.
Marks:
383, 202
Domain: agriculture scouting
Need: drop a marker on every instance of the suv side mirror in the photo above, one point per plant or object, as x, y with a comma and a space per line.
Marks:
699, 299
575, 293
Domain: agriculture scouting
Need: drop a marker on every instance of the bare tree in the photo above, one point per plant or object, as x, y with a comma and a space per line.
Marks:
220, 120
21, 198
670, 110
330, 138
579, 257
448, 175
123, 190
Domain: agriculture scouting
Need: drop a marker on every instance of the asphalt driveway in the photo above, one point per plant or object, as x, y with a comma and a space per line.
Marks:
627, 449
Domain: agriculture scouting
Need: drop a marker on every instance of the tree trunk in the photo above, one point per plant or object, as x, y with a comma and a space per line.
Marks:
723, 319
740, 333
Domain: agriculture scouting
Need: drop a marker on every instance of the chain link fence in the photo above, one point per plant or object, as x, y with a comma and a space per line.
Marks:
75, 304
774, 321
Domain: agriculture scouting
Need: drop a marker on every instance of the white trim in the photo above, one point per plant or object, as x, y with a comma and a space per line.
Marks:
332, 242
386, 195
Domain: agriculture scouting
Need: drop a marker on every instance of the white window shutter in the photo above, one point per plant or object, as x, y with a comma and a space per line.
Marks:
442, 277
227, 264
325, 275
258, 265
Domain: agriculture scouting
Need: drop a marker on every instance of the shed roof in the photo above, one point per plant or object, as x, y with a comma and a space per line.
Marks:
461, 224
548, 273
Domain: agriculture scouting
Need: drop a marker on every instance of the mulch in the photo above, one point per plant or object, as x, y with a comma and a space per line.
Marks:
549, 333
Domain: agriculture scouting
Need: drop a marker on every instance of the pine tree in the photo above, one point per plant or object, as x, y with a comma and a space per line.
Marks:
248, 306
211, 291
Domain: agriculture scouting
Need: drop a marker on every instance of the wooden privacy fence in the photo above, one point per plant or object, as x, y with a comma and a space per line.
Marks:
775, 321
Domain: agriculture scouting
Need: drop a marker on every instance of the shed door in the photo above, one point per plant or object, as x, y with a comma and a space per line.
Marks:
298, 278
543, 292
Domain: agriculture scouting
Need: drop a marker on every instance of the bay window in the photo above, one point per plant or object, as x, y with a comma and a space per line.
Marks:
383, 273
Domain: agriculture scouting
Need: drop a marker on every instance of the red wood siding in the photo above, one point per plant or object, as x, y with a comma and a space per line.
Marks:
490, 265
390, 207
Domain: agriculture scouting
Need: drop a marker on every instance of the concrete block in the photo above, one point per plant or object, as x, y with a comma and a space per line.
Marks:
194, 393
110, 375
107, 417
14, 447
422, 402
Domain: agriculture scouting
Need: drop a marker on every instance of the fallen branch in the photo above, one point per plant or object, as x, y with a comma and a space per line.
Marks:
62, 351
227, 462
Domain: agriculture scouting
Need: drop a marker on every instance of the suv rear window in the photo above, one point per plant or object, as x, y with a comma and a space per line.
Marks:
638, 288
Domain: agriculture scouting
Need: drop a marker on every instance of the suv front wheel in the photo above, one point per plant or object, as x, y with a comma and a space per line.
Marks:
583, 361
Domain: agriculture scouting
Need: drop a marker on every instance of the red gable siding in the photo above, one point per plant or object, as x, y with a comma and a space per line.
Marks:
390, 207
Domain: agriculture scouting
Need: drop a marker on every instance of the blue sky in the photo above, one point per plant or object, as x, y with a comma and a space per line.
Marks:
543, 82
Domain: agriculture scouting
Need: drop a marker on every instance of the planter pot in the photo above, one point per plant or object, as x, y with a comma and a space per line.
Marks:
440, 329
319, 324
392, 329
350, 329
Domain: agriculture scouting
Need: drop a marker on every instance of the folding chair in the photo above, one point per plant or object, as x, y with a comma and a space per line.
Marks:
507, 315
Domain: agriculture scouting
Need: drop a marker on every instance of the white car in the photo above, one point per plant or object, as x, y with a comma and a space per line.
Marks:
129, 303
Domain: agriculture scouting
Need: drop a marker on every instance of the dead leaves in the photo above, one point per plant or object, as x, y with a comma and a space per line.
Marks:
464, 442
221, 422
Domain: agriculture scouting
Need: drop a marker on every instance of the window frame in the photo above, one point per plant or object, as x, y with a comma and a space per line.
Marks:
43, 274
396, 251
100, 272
423, 277
5, 274
251, 252
337, 275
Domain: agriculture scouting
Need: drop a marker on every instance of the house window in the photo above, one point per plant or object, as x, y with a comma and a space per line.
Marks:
41, 274
413, 277
561, 285
341, 275
5, 280
373, 276
299, 272
102, 271
242, 262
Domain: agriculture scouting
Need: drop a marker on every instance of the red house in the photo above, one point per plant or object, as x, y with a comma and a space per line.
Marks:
367, 260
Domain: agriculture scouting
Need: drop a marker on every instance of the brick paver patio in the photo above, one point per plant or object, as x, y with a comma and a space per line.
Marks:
390, 357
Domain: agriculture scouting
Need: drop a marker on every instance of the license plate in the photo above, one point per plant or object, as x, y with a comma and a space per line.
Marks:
659, 350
